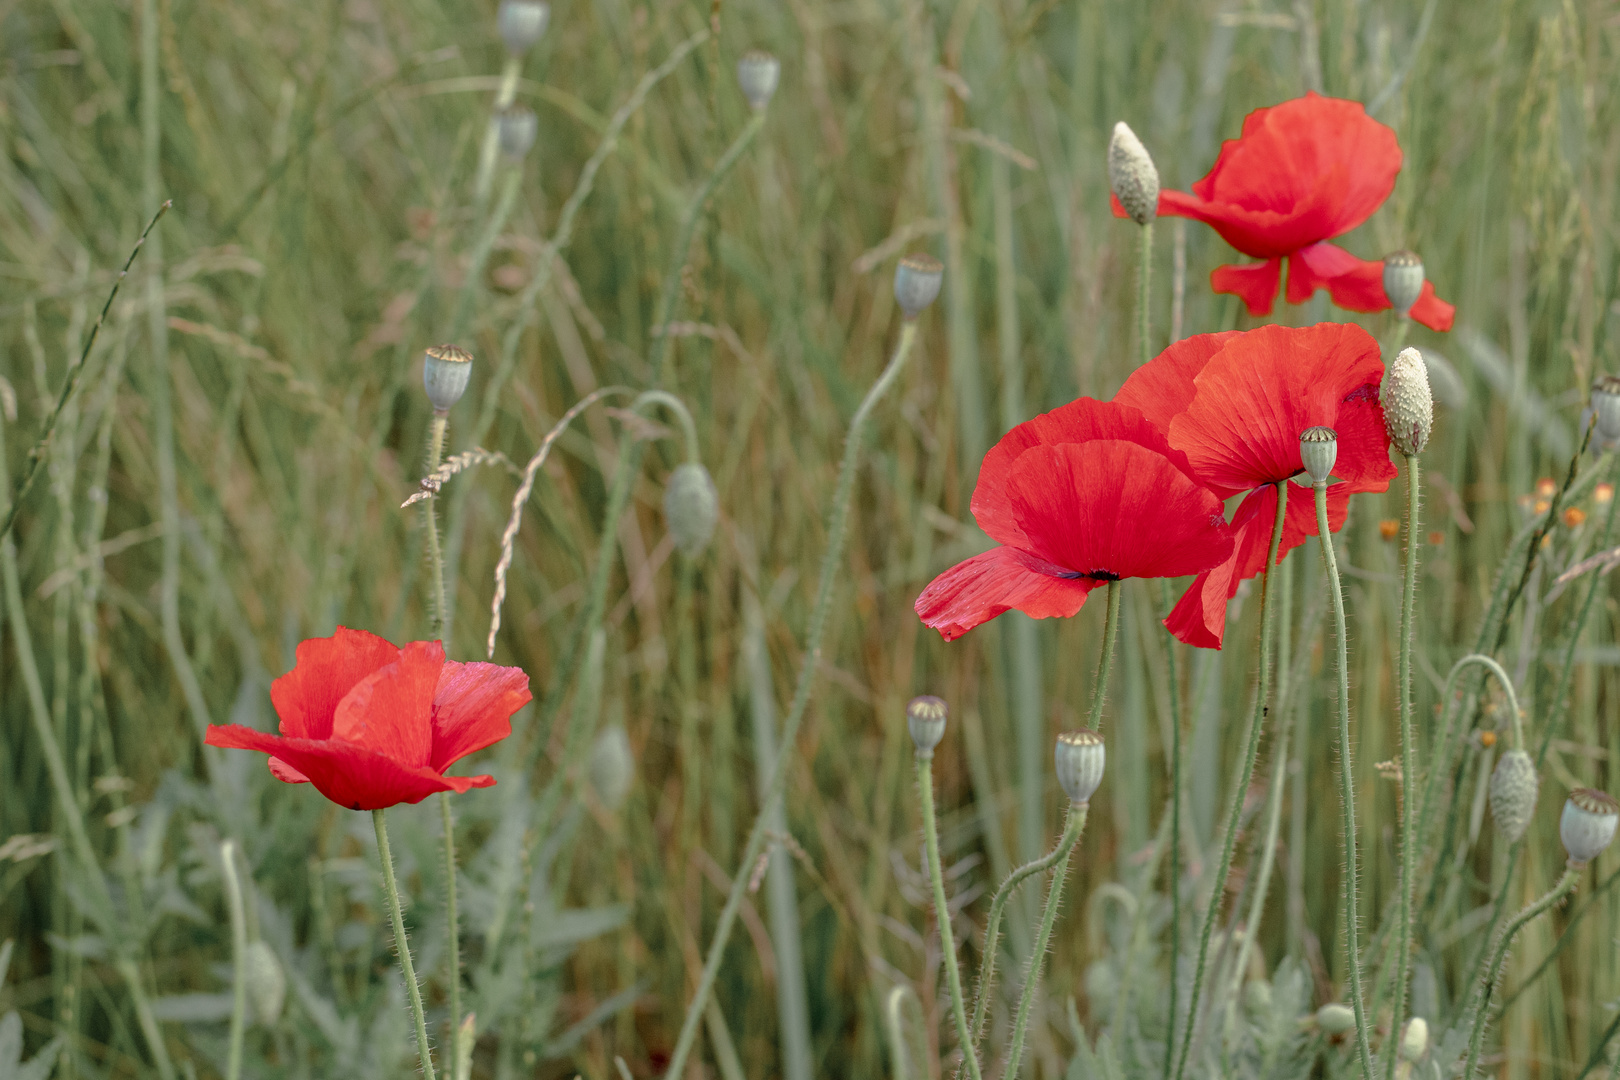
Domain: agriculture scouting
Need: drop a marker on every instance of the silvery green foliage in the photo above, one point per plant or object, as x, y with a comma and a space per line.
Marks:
12, 1066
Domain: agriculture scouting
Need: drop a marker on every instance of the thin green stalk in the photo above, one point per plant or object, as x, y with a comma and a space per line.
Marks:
838, 520
489, 151
942, 914
437, 605
1174, 677
1037, 955
379, 820
1409, 838
480, 253
233, 897
1144, 310
1105, 663
454, 921
1566, 884
1240, 785
1347, 782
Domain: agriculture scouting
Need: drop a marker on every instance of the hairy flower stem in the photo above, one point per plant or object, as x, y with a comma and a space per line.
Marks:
239, 943
1347, 781
942, 914
454, 921
837, 524
1565, 886
379, 820
430, 524
1240, 786
1037, 955
1105, 663
1409, 838
1144, 311
1174, 677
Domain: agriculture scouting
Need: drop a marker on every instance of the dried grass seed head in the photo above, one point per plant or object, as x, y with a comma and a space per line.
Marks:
1080, 757
691, 508
445, 374
1588, 823
1403, 280
758, 73
1132, 175
522, 23
916, 283
1514, 786
1407, 401
1318, 450
925, 720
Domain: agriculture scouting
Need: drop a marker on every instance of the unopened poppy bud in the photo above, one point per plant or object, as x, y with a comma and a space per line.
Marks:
612, 766
1514, 785
758, 72
266, 982
1403, 280
1408, 403
691, 508
1080, 756
925, 719
1415, 1039
521, 22
445, 374
1132, 176
1588, 823
516, 128
1606, 406
1336, 1019
1318, 450
916, 283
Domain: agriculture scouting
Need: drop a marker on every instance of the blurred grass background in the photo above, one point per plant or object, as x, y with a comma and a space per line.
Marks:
228, 480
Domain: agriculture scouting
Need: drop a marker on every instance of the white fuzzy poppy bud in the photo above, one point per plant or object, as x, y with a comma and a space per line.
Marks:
1318, 450
925, 719
1415, 1039
916, 283
691, 508
1606, 406
1514, 785
612, 766
516, 128
1588, 823
1403, 281
1080, 756
445, 374
521, 23
266, 982
1408, 403
1132, 176
758, 73
1336, 1019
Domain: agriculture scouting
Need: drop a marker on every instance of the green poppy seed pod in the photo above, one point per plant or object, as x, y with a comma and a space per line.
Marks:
691, 508
1408, 403
925, 719
1514, 785
521, 23
916, 283
516, 128
1415, 1039
1132, 176
758, 72
612, 766
1588, 823
1080, 757
266, 982
1606, 405
1403, 280
1318, 450
1336, 1019
445, 374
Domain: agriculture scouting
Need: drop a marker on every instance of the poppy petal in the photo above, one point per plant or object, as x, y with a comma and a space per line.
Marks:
1432, 311
1199, 617
1163, 386
286, 773
1253, 283
306, 698
390, 711
999, 580
472, 709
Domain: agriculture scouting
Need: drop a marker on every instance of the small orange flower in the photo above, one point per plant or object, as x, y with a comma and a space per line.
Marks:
1437, 538
1545, 487
1389, 528
1542, 506
1574, 516
1603, 493
1487, 739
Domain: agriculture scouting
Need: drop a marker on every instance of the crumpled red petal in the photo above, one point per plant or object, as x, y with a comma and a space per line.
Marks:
1000, 580
390, 710
1163, 387
472, 709
1253, 283
326, 669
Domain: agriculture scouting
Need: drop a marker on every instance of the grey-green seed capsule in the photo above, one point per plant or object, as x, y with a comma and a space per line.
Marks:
1132, 175
445, 374
925, 720
691, 508
1403, 280
1588, 823
1606, 406
1319, 450
516, 128
758, 73
1080, 757
1407, 401
266, 982
521, 23
916, 283
1514, 785
1336, 1019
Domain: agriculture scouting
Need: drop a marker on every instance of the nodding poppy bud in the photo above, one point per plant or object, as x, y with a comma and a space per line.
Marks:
1408, 403
445, 374
1514, 785
1336, 1019
758, 72
916, 283
1318, 450
1415, 1039
691, 508
1403, 280
1588, 823
516, 128
925, 719
266, 982
1606, 406
521, 22
1132, 176
612, 766
1080, 757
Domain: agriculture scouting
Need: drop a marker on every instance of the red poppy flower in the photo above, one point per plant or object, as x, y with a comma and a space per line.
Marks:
1086, 494
372, 725
1302, 173
1235, 405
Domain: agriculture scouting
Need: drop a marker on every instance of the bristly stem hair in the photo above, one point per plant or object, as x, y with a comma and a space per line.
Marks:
1409, 838
391, 887
942, 915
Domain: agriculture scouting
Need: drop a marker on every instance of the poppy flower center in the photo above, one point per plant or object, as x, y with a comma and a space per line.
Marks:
1091, 575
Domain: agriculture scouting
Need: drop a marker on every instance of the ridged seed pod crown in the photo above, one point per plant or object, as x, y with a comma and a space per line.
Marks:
925, 720
916, 283
691, 508
1606, 406
1132, 175
758, 73
1080, 758
1588, 823
1318, 451
445, 374
1403, 280
1514, 786
1407, 401
521, 23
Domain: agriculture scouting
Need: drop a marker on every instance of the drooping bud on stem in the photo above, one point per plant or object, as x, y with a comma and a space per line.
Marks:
1588, 823
691, 508
1403, 281
266, 982
521, 23
1408, 403
445, 374
1132, 175
1606, 406
1318, 450
925, 719
516, 128
1514, 785
1336, 1019
916, 283
758, 72
1080, 758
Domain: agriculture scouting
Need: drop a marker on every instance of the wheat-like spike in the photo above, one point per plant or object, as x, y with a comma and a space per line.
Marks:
433, 481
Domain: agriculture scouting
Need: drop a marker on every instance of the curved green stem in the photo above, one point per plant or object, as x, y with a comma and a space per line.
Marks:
1408, 758
1347, 782
1240, 786
1037, 955
676, 406
479, 255
1566, 884
379, 820
837, 523
233, 897
942, 913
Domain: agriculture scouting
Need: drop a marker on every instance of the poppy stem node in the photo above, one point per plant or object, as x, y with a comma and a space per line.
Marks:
391, 887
